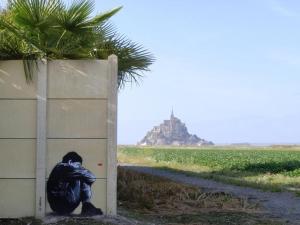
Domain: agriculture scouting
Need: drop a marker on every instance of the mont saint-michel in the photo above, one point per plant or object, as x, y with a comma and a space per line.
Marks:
172, 132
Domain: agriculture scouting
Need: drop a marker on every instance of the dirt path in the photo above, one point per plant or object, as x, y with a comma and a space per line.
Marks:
283, 205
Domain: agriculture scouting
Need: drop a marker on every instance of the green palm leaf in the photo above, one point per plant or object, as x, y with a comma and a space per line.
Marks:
19, 34
34, 14
102, 17
36, 29
133, 59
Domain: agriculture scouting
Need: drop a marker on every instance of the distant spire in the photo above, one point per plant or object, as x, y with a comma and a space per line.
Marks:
172, 114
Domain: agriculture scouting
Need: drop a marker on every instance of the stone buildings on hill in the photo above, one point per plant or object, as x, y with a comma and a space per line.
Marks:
172, 132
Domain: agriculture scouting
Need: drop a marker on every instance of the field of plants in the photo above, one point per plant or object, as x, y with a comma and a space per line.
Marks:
271, 168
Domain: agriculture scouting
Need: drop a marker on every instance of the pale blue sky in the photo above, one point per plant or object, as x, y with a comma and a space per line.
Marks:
230, 69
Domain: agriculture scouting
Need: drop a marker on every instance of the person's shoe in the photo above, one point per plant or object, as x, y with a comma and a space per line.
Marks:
88, 209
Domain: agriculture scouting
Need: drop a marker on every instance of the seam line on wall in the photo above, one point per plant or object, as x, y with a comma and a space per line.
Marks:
18, 99
77, 98
18, 178
17, 138
76, 138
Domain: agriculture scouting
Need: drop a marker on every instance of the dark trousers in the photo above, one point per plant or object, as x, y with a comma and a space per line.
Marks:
69, 198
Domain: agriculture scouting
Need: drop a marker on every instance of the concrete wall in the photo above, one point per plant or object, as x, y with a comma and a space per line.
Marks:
70, 106
17, 141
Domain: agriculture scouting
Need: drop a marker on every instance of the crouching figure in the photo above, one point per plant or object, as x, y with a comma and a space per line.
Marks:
69, 184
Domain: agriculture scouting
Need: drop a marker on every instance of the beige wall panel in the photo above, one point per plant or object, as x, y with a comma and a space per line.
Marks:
98, 197
99, 194
17, 158
77, 119
77, 79
17, 197
17, 118
12, 81
92, 151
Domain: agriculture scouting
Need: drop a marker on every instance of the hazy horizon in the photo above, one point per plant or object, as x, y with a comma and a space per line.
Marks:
230, 69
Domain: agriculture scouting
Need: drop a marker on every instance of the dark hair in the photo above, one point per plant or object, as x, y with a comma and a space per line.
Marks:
73, 156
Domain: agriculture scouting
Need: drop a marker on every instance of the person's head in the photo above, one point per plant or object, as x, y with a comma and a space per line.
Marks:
73, 157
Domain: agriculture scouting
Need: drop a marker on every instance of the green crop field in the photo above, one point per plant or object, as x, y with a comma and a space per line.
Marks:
270, 168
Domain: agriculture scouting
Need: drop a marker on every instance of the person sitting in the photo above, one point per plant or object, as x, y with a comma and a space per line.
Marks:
69, 184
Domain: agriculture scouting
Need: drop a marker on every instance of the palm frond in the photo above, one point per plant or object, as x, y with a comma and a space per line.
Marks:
34, 14
98, 19
71, 18
105, 31
37, 29
10, 47
133, 58
18, 33
30, 66
76, 17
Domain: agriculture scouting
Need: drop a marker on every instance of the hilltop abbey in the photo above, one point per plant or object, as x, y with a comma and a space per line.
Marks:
172, 132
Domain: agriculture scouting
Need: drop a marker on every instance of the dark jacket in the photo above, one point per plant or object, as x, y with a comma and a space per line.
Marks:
64, 184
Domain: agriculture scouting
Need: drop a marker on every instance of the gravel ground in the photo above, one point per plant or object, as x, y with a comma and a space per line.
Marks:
71, 220
283, 205
95, 220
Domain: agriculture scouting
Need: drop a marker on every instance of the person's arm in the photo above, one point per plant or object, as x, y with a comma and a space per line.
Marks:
81, 173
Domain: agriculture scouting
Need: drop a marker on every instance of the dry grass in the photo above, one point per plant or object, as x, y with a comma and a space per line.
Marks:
156, 195
161, 201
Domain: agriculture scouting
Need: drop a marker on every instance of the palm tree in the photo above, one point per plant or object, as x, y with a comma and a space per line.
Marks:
39, 29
